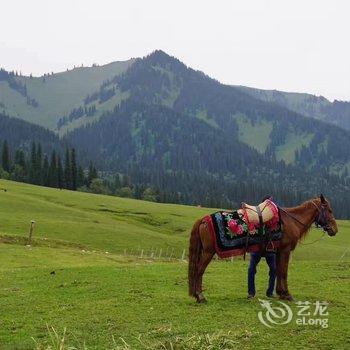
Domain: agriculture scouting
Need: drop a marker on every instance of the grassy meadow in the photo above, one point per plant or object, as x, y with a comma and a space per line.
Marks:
83, 285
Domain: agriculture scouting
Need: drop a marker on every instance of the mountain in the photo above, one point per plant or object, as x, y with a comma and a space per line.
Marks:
318, 107
195, 140
44, 100
268, 128
179, 131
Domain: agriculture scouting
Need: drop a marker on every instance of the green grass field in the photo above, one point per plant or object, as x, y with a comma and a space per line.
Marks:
100, 298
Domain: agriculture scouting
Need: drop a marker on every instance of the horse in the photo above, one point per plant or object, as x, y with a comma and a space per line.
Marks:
296, 223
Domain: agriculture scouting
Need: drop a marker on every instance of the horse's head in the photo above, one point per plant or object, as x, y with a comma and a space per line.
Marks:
325, 217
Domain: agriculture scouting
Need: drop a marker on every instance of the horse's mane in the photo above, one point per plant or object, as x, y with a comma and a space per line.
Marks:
299, 210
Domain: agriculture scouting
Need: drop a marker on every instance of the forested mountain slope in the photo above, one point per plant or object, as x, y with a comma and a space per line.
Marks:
264, 126
318, 107
197, 141
20, 134
190, 162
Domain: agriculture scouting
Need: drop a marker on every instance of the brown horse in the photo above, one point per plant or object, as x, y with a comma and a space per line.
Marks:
296, 223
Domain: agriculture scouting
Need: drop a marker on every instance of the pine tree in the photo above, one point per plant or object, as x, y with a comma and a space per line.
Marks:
5, 157
38, 166
44, 175
20, 158
19, 170
80, 177
52, 176
117, 183
60, 180
32, 163
74, 171
92, 173
67, 171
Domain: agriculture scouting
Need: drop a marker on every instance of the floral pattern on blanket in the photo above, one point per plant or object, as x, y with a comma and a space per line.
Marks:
235, 225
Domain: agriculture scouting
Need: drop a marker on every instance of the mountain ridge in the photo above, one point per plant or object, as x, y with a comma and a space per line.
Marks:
309, 105
172, 128
337, 112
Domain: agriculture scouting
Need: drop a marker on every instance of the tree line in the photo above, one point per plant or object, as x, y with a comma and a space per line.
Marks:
36, 167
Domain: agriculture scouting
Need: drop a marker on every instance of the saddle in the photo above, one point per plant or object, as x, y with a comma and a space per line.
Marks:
258, 215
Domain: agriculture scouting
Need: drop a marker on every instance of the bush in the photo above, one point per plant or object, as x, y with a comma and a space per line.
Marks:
4, 174
150, 195
125, 192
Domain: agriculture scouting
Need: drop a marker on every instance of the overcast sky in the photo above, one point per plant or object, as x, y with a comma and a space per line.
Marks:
288, 45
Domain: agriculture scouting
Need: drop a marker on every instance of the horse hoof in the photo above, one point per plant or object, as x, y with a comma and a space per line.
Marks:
286, 297
202, 301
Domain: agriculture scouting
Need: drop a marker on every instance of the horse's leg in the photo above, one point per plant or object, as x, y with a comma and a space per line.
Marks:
279, 273
208, 251
282, 274
203, 263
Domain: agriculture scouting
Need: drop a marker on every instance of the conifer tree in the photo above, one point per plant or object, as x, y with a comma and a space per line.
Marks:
20, 158
80, 177
117, 183
60, 180
92, 173
67, 171
74, 171
5, 157
38, 166
32, 163
44, 175
52, 176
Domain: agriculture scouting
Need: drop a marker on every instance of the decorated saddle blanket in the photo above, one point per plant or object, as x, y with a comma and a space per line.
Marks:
249, 229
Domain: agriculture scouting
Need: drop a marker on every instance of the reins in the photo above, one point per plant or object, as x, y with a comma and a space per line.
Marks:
316, 240
306, 226
292, 216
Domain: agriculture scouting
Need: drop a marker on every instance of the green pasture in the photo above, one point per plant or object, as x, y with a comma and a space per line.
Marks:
74, 287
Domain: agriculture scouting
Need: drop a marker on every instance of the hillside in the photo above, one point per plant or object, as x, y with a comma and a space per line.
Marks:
20, 135
317, 107
190, 138
263, 119
94, 221
44, 100
76, 276
159, 79
182, 132
68, 219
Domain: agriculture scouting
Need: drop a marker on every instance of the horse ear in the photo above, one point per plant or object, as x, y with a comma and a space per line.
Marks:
323, 199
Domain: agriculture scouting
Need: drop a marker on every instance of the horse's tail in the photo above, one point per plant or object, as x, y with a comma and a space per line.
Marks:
194, 256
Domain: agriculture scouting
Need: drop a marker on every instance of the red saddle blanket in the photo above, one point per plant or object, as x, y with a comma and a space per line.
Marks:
236, 233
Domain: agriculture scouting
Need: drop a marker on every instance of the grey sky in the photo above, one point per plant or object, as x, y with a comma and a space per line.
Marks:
289, 45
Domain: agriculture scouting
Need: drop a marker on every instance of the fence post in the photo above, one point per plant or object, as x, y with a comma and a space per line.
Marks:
160, 253
141, 256
31, 230
183, 254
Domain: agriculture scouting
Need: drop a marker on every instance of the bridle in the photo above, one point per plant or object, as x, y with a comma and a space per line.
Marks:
321, 219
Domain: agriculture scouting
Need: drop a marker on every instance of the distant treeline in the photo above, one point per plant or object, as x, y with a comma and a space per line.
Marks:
38, 168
